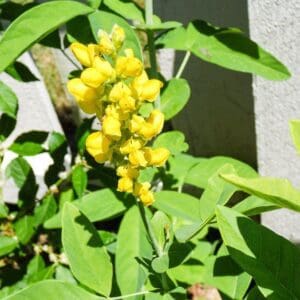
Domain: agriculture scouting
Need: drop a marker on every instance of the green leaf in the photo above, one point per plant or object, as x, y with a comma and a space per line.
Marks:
36, 264
52, 290
200, 173
253, 205
178, 205
94, 3
97, 206
88, 259
271, 260
277, 191
65, 196
255, 294
3, 210
173, 141
45, 210
35, 24
224, 274
8, 100
160, 264
7, 244
105, 21
20, 72
24, 228
132, 246
29, 143
127, 9
7, 125
64, 274
174, 97
159, 25
226, 47
79, 180
295, 133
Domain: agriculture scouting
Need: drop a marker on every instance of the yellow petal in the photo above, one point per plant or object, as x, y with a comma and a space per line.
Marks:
105, 44
92, 77
131, 145
93, 51
111, 127
137, 158
125, 184
119, 91
127, 171
81, 53
97, 144
147, 199
81, 91
104, 67
118, 36
150, 90
156, 119
136, 123
127, 104
156, 157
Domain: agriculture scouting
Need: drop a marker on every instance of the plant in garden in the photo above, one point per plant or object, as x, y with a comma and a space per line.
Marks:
135, 216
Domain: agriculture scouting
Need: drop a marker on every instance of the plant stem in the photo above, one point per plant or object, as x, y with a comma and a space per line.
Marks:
149, 229
70, 59
151, 44
183, 64
1, 179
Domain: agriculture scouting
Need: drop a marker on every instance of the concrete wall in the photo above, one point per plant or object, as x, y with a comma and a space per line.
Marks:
234, 114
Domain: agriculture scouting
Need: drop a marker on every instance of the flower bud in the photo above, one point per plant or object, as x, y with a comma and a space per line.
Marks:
118, 36
127, 171
137, 158
125, 184
147, 198
93, 51
150, 90
119, 91
111, 127
92, 77
142, 191
97, 145
104, 67
156, 119
136, 123
105, 44
156, 157
127, 104
131, 145
128, 66
81, 53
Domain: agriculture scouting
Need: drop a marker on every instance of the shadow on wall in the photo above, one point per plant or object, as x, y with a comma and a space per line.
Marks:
219, 119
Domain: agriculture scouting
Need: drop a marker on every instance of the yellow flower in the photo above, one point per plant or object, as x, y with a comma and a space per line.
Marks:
93, 51
156, 157
85, 96
119, 91
136, 123
127, 104
142, 190
105, 44
111, 127
131, 145
125, 184
128, 66
127, 171
97, 145
92, 77
137, 158
81, 53
104, 67
118, 36
156, 119
145, 89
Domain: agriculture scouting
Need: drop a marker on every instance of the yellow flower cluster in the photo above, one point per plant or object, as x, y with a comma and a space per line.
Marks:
114, 86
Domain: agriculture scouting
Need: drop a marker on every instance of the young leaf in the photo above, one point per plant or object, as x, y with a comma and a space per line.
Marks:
97, 206
226, 47
7, 244
8, 100
173, 141
45, 210
24, 228
206, 168
33, 25
53, 290
132, 246
105, 21
174, 97
295, 132
3, 210
29, 143
277, 191
88, 259
127, 9
273, 261
79, 180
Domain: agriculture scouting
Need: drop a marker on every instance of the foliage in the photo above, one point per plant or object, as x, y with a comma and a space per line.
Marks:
83, 239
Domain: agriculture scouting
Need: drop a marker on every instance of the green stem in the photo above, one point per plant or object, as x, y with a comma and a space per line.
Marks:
206, 222
183, 64
70, 59
149, 229
1, 178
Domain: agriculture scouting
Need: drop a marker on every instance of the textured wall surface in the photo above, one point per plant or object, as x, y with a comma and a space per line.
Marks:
36, 112
219, 119
276, 24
